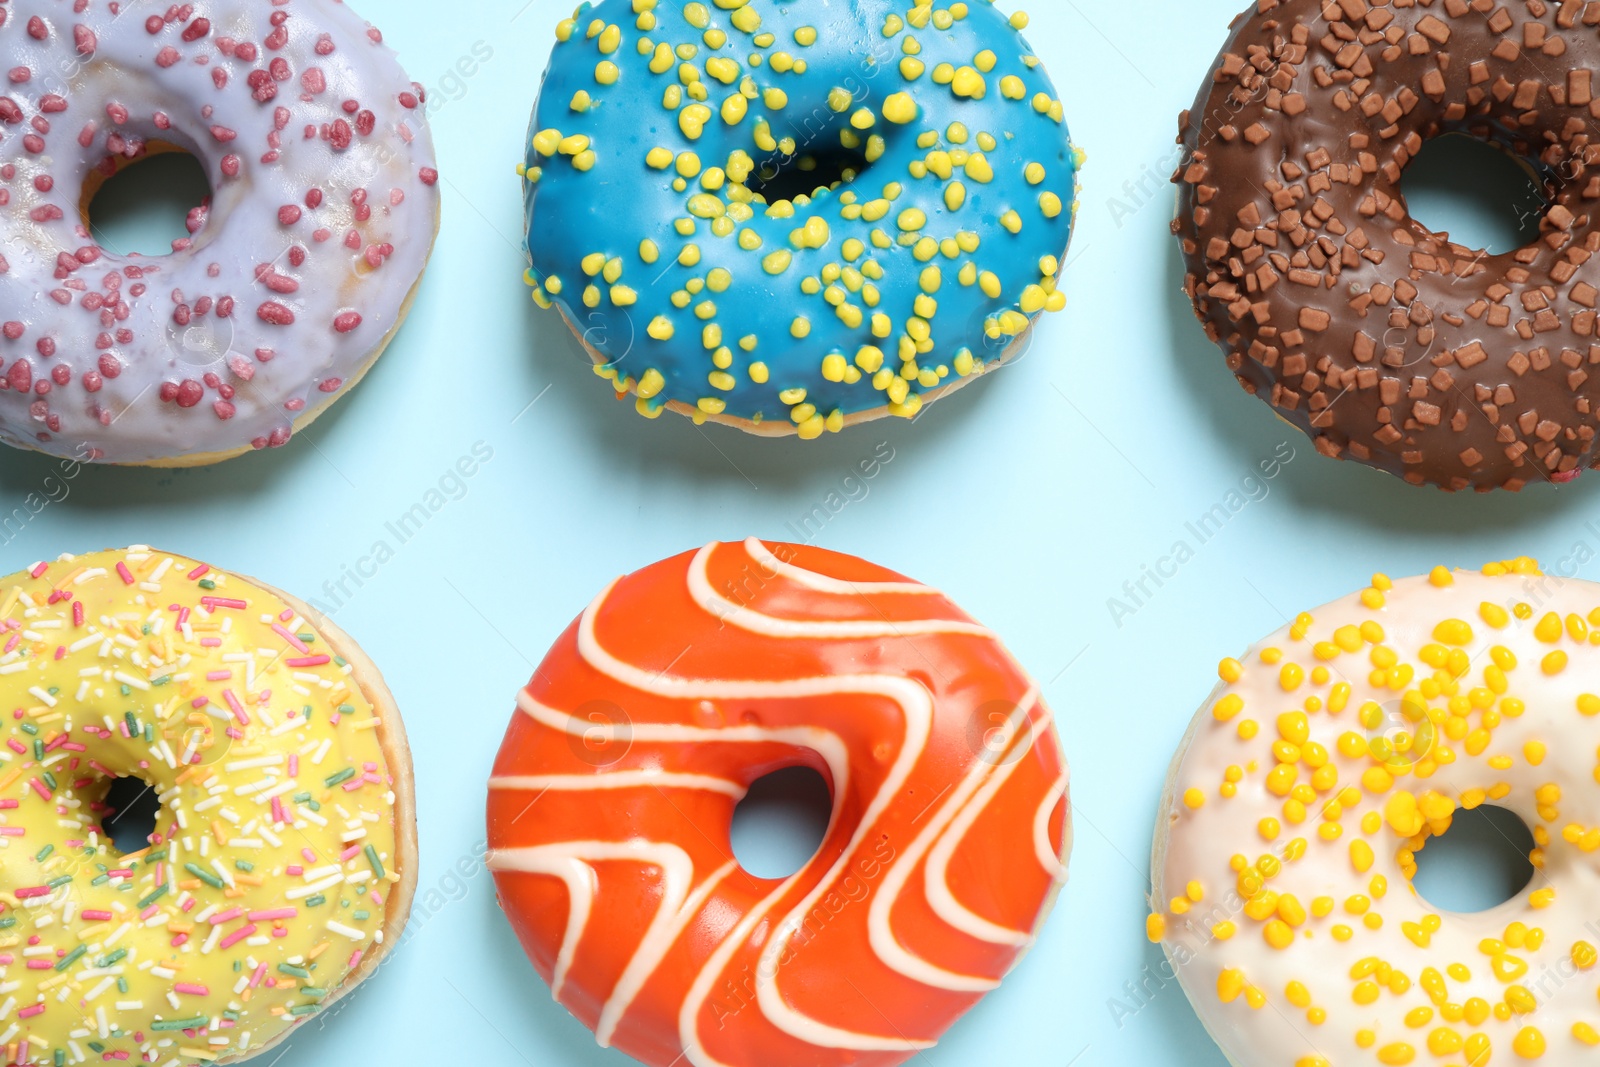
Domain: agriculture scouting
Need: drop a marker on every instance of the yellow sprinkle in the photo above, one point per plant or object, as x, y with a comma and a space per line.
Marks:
1554, 663
1155, 928
1529, 1043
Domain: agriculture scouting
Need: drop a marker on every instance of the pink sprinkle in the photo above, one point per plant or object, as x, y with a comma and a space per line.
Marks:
218, 676
190, 989
294, 870
272, 915
125, 574
347, 321
40, 788
95, 915
355, 959
294, 764
350, 853
294, 641
199, 572
215, 602
311, 857
149, 913
30, 1011
261, 973
30, 892
308, 661
236, 707
38, 570
13, 831
199, 702
226, 916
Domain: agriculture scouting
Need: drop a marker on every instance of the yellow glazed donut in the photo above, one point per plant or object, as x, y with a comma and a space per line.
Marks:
283, 859
1324, 762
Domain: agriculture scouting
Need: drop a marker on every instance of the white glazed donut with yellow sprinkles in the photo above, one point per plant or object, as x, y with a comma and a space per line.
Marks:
282, 864
1324, 762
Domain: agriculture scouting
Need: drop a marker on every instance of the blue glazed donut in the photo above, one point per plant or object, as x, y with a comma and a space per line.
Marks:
795, 216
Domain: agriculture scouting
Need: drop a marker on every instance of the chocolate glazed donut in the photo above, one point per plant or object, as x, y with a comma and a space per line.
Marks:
1383, 341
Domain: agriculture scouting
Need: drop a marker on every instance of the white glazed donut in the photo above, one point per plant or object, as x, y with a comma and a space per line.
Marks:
295, 276
1326, 759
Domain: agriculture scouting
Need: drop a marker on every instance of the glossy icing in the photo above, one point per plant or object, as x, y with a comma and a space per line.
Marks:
1325, 760
650, 227
292, 279
613, 795
269, 876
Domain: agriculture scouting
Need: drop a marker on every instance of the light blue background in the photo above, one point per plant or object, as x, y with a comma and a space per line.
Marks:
1030, 498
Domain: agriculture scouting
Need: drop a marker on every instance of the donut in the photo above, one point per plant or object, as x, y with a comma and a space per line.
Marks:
791, 218
283, 860
1385, 342
296, 272
1325, 761
613, 794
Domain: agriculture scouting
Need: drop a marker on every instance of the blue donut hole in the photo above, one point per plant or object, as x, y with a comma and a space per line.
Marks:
1479, 863
807, 172
145, 206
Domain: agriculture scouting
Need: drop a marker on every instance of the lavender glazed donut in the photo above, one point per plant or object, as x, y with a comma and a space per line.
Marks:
295, 275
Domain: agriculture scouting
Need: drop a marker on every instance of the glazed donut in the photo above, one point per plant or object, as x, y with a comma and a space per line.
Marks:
683, 684
794, 217
283, 859
1384, 341
297, 272
1327, 758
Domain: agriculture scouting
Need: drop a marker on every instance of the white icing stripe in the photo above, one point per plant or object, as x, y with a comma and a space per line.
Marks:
1049, 859
936, 874
824, 584
570, 861
917, 706
879, 927
577, 783
647, 957
719, 607
825, 743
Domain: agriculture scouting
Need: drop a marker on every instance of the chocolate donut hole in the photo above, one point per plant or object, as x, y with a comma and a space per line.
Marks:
1475, 193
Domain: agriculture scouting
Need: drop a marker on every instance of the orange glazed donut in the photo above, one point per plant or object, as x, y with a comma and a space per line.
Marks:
613, 797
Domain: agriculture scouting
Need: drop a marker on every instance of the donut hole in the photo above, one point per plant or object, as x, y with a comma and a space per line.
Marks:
145, 206
131, 809
1479, 863
1475, 193
781, 822
807, 172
